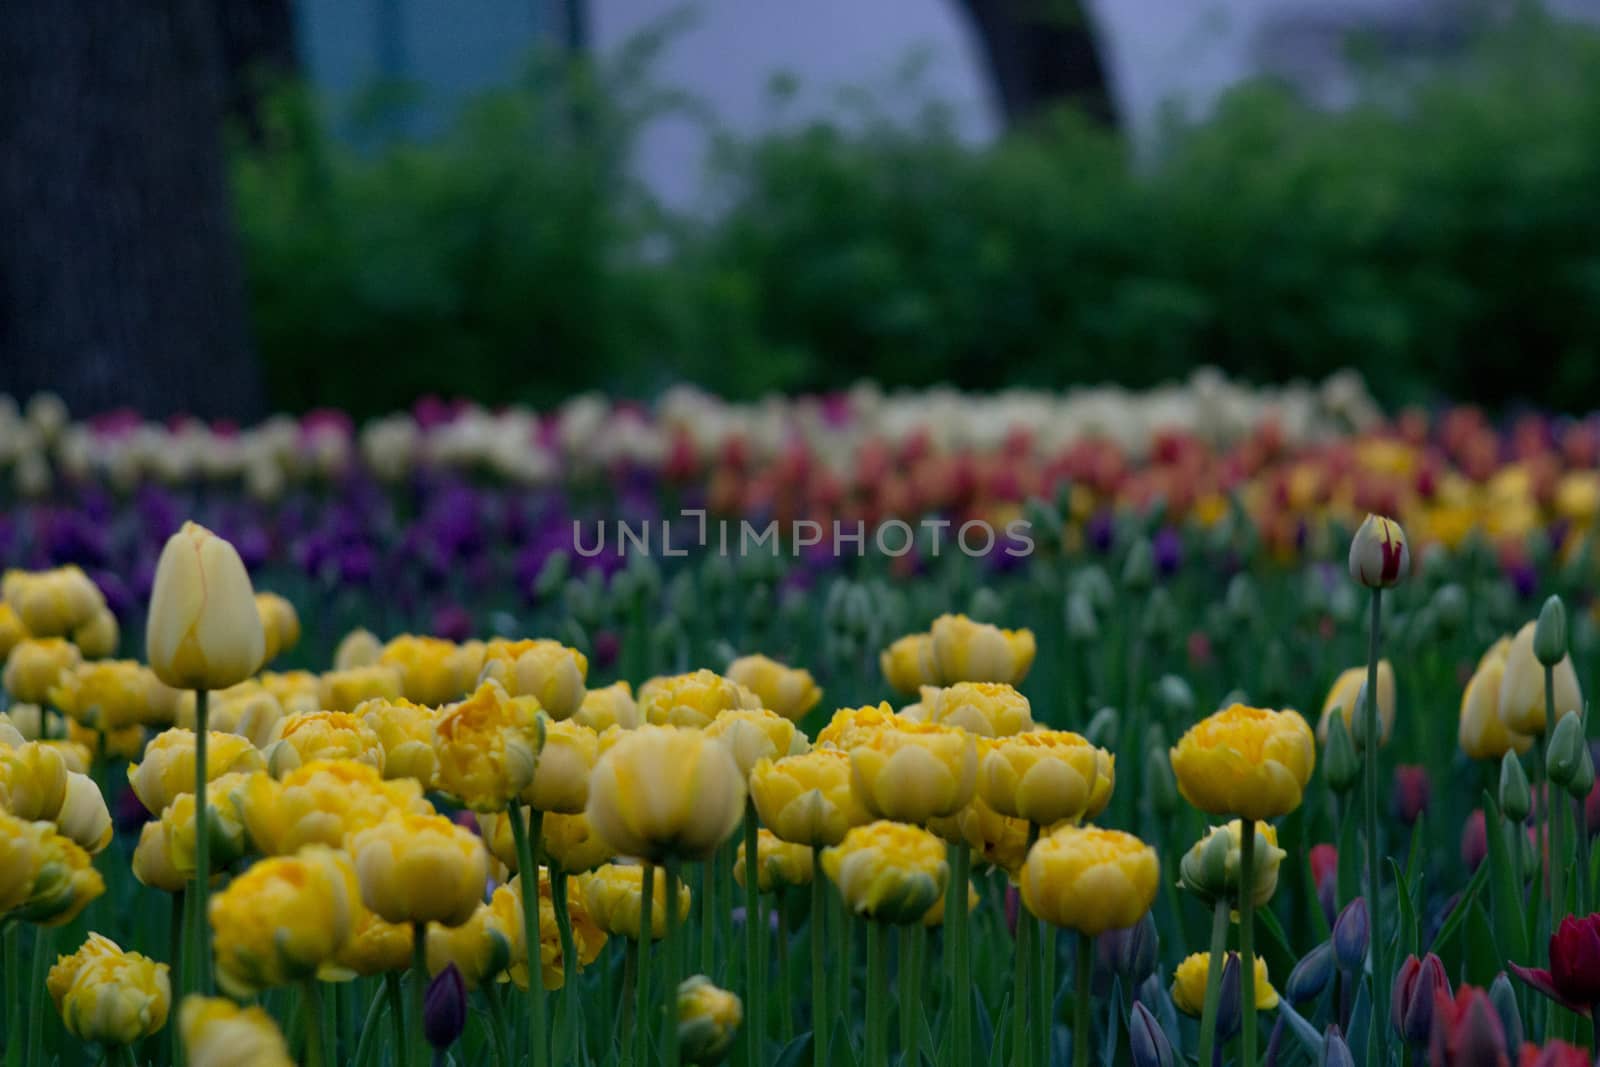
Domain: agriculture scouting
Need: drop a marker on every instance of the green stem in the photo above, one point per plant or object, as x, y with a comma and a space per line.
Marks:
708, 913
1380, 964
1580, 822
752, 939
669, 1028
526, 837
178, 941
643, 1014
630, 978
569, 964
497, 1024
369, 1030
819, 944
955, 921
312, 1010
41, 968
199, 980
1020, 998
913, 943
419, 984
1553, 807
785, 1003
877, 996
397, 1018
1208, 1010
9, 936
1247, 940
1081, 994
1045, 990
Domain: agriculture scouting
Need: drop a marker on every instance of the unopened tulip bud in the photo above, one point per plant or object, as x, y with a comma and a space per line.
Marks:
1228, 1000
1582, 783
1130, 953
1550, 633
203, 631
1311, 975
1450, 608
1160, 616
1241, 599
1175, 697
1411, 1001
1379, 556
1162, 786
1081, 623
1351, 932
1148, 1042
1102, 731
1139, 568
444, 1008
1204, 870
1566, 752
1412, 793
1504, 998
1340, 763
1335, 1050
1516, 799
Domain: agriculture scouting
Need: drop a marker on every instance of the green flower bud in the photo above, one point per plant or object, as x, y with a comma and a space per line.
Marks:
1210, 869
1566, 751
1081, 623
1102, 731
1139, 568
1340, 764
1450, 608
1243, 604
1158, 780
1516, 799
1160, 617
1175, 697
1583, 781
1550, 634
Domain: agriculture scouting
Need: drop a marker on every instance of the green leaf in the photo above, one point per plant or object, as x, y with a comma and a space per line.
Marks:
1406, 934
1458, 914
1510, 931
1484, 959
796, 1052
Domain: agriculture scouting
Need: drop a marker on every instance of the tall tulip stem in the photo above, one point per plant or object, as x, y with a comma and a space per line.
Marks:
708, 912
419, 987
1219, 951
569, 963
199, 981
311, 1008
955, 923
819, 947
1020, 999
526, 838
397, 1018
1081, 996
10, 944
1380, 967
644, 1015
1247, 945
877, 995
1554, 806
673, 953
754, 975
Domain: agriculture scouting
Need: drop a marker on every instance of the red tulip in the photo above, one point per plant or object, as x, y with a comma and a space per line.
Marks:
1474, 841
1466, 1031
1412, 791
1411, 1002
1554, 1054
1573, 980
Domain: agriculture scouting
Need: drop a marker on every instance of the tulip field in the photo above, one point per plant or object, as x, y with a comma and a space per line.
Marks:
1209, 725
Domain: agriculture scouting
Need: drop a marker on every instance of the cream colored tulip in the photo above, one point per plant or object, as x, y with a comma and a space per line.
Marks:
203, 630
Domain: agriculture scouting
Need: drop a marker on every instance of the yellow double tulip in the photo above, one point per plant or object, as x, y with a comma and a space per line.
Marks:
692, 699
666, 791
110, 996
807, 799
420, 869
485, 747
546, 670
1189, 984
914, 771
1046, 776
34, 668
778, 863
322, 735
789, 691
433, 670
984, 709
1250, 762
281, 920
614, 899
167, 769
888, 871
1090, 880
219, 1033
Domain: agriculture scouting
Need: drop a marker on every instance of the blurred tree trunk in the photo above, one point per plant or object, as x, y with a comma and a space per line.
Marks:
257, 53
1041, 52
120, 279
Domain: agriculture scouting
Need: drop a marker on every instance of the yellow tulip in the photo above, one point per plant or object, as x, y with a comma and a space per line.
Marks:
34, 667
1090, 880
1189, 984
109, 996
480, 947
126, 743
225, 825
548, 671
375, 947
1043, 776
83, 816
611, 706
65, 881
420, 868
807, 799
754, 735
322, 802
152, 859
168, 766
297, 691
53, 603
850, 725
789, 691
247, 710
935, 915
1481, 732
968, 651
281, 920
985, 709
322, 735
571, 843
75, 756
908, 664
486, 747
999, 840
12, 632
778, 863
888, 871
405, 730
1225, 882
707, 1020
203, 631
343, 690
561, 774
692, 699
914, 771
1346, 690
109, 694
358, 648
613, 898
99, 637
432, 669
280, 625
33, 781
1522, 709
1245, 761
666, 791
219, 1033
588, 938
22, 852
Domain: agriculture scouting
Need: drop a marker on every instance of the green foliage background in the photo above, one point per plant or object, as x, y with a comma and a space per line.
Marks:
1443, 237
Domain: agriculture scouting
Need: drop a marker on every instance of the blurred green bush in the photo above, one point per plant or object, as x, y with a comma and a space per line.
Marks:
1442, 237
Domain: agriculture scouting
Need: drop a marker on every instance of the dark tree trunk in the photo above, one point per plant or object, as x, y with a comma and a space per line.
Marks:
1041, 52
120, 280
257, 54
